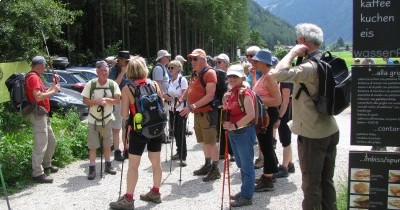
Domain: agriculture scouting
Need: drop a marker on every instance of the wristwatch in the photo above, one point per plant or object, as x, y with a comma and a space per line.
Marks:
193, 106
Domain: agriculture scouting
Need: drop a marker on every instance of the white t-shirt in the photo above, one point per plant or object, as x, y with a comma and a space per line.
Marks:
176, 91
94, 112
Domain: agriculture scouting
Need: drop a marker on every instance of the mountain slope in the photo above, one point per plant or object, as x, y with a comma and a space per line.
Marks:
334, 17
272, 29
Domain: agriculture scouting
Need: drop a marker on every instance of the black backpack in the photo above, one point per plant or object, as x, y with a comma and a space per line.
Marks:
149, 105
221, 87
16, 85
334, 91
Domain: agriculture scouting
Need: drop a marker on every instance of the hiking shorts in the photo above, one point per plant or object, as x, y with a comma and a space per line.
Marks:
117, 122
138, 143
98, 133
205, 127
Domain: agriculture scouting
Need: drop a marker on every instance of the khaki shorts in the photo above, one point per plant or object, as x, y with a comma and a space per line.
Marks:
96, 132
205, 127
117, 122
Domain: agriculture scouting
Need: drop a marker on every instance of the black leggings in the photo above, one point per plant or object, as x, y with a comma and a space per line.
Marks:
178, 124
285, 135
266, 145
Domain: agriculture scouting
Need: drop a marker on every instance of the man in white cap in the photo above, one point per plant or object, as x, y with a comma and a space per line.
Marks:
44, 142
160, 71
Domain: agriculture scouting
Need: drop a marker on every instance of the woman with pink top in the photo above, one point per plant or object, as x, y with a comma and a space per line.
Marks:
267, 88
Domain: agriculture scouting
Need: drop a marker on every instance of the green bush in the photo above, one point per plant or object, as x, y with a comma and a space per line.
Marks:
16, 140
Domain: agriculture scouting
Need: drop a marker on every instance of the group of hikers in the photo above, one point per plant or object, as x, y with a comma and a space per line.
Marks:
126, 95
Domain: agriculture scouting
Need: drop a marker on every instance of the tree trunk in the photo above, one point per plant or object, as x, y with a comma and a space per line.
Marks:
179, 28
157, 25
122, 25
102, 28
174, 13
128, 39
146, 27
167, 32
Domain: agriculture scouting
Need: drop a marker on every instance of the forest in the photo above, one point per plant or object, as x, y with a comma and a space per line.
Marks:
90, 29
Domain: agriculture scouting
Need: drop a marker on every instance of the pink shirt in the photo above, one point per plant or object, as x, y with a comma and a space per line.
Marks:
260, 87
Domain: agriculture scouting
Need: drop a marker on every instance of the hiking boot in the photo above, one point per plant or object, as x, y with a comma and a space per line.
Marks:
259, 163
123, 203
291, 167
241, 202
109, 169
183, 163
151, 196
265, 184
50, 170
175, 157
126, 155
92, 172
118, 155
235, 197
213, 174
202, 171
43, 179
258, 180
282, 172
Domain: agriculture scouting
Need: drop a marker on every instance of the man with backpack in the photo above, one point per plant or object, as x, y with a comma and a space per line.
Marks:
318, 133
205, 116
118, 74
100, 94
44, 143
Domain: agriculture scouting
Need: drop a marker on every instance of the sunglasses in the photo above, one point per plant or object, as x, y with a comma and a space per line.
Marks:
220, 62
195, 59
232, 76
171, 67
249, 56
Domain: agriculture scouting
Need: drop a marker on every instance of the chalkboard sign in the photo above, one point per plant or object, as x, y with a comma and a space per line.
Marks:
374, 180
376, 28
375, 105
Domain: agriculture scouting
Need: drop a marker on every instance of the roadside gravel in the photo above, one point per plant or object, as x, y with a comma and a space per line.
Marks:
72, 190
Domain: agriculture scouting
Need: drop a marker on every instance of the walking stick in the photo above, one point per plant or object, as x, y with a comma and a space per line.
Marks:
4, 188
101, 155
183, 139
127, 130
173, 134
226, 165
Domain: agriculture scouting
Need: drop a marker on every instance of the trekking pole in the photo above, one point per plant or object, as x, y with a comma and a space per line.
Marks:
183, 139
4, 188
48, 54
101, 155
123, 159
173, 134
167, 138
226, 164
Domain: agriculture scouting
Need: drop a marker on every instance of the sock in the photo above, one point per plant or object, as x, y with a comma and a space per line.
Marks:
155, 189
92, 164
208, 161
129, 196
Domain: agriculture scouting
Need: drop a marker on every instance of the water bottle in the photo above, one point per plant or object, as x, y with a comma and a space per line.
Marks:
137, 121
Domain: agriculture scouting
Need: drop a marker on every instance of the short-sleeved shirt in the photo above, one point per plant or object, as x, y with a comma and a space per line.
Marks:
196, 90
233, 105
33, 83
160, 73
175, 90
94, 112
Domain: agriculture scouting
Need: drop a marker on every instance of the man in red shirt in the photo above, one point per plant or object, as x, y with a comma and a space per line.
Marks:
205, 117
44, 141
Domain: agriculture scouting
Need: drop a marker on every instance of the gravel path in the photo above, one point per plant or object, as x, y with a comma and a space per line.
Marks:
72, 190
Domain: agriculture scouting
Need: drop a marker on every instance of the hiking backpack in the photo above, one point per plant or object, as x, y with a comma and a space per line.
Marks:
221, 87
16, 85
150, 105
261, 118
334, 91
93, 86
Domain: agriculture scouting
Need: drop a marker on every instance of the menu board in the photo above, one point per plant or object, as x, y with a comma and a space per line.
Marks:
376, 26
375, 105
374, 180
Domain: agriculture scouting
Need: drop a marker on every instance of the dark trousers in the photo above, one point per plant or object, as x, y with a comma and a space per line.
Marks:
266, 144
178, 125
285, 135
317, 164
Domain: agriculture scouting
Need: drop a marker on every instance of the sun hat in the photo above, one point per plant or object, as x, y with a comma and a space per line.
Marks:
197, 53
275, 61
180, 58
224, 57
123, 54
236, 70
264, 56
161, 54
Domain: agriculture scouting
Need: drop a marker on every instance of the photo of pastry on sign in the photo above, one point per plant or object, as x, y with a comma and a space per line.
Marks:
359, 187
361, 174
394, 176
359, 201
393, 203
394, 190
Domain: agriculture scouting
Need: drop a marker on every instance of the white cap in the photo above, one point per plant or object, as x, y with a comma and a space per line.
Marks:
224, 57
180, 58
236, 70
162, 53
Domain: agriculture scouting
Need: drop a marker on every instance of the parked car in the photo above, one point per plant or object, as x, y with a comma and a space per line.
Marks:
87, 73
70, 80
68, 100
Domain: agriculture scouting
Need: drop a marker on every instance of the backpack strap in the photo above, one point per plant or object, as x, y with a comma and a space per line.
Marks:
179, 82
201, 75
111, 87
92, 87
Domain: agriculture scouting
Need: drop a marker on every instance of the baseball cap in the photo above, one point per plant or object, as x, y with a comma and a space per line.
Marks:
197, 53
224, 57
236, 69
180, 58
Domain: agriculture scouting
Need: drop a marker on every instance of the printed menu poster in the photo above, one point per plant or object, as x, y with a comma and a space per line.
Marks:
375, 105
373, 180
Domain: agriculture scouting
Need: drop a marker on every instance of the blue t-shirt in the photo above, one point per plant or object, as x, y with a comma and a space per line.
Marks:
160, 73
258, 75
114, 72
